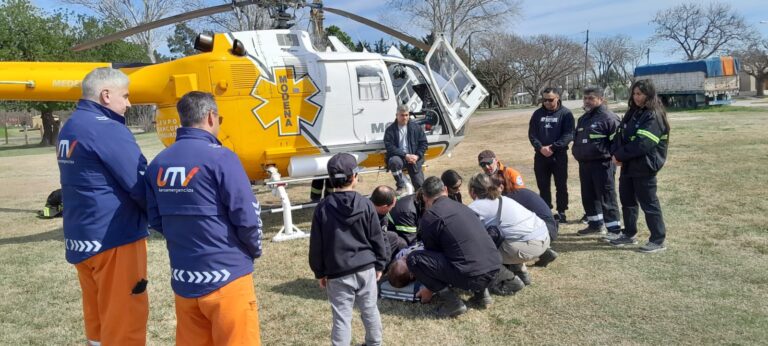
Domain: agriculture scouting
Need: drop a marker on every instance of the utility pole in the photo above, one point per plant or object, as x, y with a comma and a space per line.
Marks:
648, 57
586, 57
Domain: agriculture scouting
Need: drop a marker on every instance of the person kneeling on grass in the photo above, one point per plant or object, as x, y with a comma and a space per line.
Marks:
347, 252
525, 235
454, 255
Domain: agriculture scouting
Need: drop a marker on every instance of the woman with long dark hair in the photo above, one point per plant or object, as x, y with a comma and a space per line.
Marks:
640, 148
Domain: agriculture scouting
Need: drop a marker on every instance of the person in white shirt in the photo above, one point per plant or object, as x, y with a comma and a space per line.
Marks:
525, 234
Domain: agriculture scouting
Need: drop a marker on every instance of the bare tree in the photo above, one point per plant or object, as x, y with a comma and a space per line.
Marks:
241, 19
127, 14
494, 67
701, 31
457, 19
546, 59
609, 56
754, 61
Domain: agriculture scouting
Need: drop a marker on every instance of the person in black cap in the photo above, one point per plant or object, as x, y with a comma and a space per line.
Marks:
347, 252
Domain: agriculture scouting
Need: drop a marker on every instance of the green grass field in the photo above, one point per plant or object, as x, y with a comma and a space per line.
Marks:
709, 287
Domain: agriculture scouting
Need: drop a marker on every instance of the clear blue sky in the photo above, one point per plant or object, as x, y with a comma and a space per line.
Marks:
569, 18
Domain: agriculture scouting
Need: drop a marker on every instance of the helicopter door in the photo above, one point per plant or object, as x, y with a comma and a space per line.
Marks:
458, 90
373, 102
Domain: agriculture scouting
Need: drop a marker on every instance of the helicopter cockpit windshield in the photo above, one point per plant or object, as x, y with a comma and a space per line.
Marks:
411, 89
457, 88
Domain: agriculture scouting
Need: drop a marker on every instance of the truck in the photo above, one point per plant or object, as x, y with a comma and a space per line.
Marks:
690, 84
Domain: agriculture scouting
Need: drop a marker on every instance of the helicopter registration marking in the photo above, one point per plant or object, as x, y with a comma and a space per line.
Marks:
290, 102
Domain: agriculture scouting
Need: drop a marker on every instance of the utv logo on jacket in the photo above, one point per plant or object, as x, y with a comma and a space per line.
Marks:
175, 179
64, 151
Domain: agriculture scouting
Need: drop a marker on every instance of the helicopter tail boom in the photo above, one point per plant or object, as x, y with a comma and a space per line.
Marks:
43, 81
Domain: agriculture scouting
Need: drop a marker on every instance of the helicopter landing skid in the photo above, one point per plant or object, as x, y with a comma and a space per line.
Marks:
289, 231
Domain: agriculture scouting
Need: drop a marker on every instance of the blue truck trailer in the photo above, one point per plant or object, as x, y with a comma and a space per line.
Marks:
689, 84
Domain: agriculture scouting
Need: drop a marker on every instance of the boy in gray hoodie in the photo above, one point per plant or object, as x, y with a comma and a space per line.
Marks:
347, 252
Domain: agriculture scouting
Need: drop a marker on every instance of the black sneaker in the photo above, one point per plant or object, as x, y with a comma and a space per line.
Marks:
584, 219
546, 258
561, 217
651, 247
591, 230
623, 240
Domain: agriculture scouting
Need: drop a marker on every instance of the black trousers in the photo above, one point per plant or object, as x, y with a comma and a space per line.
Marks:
598, 194
395, 165
395, 245
546, 167
319, 189
641, 189
433, 270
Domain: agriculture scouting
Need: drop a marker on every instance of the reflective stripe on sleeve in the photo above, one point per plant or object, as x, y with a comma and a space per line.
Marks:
408, 229
591, 136
646, 134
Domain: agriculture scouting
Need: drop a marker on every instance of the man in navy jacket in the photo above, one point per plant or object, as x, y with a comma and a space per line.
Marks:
200, 199
406, 144
105, 226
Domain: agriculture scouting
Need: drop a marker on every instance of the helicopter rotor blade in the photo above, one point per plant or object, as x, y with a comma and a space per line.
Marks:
394, 33
162, 22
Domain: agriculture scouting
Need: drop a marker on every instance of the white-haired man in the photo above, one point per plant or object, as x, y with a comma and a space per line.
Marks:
105, 224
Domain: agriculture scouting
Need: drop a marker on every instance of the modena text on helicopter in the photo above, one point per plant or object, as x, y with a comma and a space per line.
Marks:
285, 104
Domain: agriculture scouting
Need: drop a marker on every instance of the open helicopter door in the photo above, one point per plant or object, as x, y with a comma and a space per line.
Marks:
458, 90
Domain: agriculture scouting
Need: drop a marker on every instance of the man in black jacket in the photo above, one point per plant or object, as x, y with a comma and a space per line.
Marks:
457, 251
347, 252
384, 200
406, 144
550, 131
592, 148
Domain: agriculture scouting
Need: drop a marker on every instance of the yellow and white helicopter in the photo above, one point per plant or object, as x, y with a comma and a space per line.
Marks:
288, 107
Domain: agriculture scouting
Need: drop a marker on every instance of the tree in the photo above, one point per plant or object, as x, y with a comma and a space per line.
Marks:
29, 34
181, 42
241, 19
701, 31
494, 68
546, 59
754, 61
609, 56
457, 20
334, 30
127, 14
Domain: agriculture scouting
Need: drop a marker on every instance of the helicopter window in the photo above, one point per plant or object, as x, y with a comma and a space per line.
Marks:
403, 80
451, 80
288, 40
370, 82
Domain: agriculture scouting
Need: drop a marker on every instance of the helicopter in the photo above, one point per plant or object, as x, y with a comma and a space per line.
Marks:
288, 105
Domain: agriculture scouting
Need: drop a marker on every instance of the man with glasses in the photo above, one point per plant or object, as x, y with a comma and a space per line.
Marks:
591, 147
200, 199
491, 166
550, 131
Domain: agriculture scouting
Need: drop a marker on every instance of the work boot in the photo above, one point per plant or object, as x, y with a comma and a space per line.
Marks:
451, 305
506, 283
584, 219
546, 258
481, 299
520, 272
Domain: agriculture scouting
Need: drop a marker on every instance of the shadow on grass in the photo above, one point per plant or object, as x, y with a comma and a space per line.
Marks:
55, 234
12, 210
301, 287
570, 242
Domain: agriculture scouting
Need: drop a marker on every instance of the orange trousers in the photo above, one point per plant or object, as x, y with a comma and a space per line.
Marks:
115, 303
227, 316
